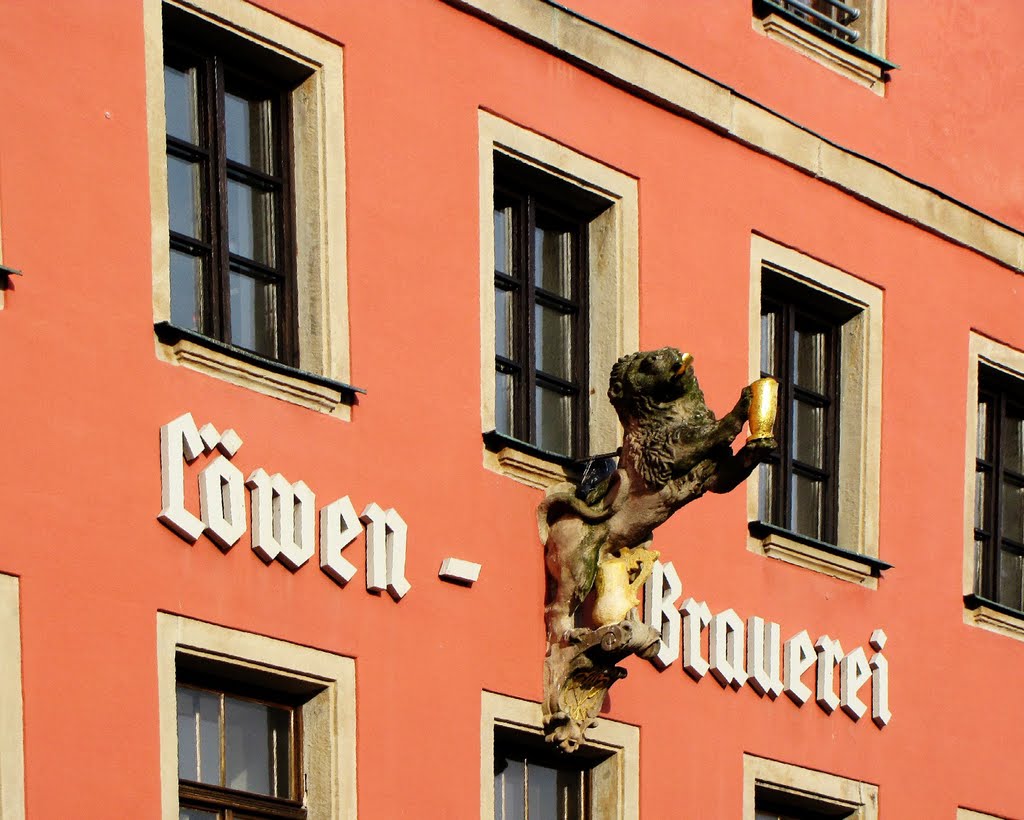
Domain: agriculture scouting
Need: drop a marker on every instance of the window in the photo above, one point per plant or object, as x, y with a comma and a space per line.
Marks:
800, 348
228, 188
247, 193
999, 489
847, 36
541, 237
12, 751
559, 237
782, 791
252, 727
994, 491
523, 776
817, 330
531, 781
236, 753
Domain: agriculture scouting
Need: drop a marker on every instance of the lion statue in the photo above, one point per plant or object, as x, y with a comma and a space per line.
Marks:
674, 450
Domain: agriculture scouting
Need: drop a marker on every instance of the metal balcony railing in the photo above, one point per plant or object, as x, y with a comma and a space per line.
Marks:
832, 16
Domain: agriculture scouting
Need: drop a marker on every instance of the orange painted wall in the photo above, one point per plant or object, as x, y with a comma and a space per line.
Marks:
83, 397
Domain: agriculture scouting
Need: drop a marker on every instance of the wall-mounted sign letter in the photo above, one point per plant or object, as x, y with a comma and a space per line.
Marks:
283, 519
830, 652
339, 527
880, 713
725, 649
386, 534
854, 672
179, 442
696, 618
222, 502
763, 650
797, 657
662, 590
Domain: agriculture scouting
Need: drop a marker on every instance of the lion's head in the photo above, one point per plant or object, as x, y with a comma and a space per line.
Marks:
664, 418
642, 381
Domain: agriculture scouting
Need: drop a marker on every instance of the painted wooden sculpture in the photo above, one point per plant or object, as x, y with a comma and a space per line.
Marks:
598, 539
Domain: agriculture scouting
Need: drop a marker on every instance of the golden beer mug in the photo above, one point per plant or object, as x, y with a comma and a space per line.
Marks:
764, 405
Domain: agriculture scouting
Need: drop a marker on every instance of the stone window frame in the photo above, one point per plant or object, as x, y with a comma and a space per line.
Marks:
321, 380
807, 787
984, 351
855, 557
863, 63
971, 814
12, 724
613, 283
615, 780
325, 682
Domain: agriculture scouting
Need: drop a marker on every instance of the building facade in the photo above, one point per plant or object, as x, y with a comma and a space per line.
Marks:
306, 305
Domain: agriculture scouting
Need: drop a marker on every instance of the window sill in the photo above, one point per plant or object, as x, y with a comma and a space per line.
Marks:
809, 553
525, 463
993, 616
863, 67
241, 367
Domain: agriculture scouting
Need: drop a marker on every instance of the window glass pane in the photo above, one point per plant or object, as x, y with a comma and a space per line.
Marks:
198, 735
503, 258
543, 794
504, 385
981, 500
570, 795
248, 132
984, 430
503, 323
770, 343
554, 342
808, 434
257, 751
186, 290
509, 789
807, 501
554, 421
980, 552
251, 225
253, 314
1012, 511
809, 359
197, 814
1011, 572
184, 196
1011, 444
180, 104
552, 255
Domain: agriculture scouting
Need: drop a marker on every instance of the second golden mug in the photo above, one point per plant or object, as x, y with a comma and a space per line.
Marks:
763, 408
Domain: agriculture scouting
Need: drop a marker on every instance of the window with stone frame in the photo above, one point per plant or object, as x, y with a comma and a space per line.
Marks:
229, 161
774, 790
800, 348
247, 194
541, 332
533, 779
238, 753
999, 489
847, 36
